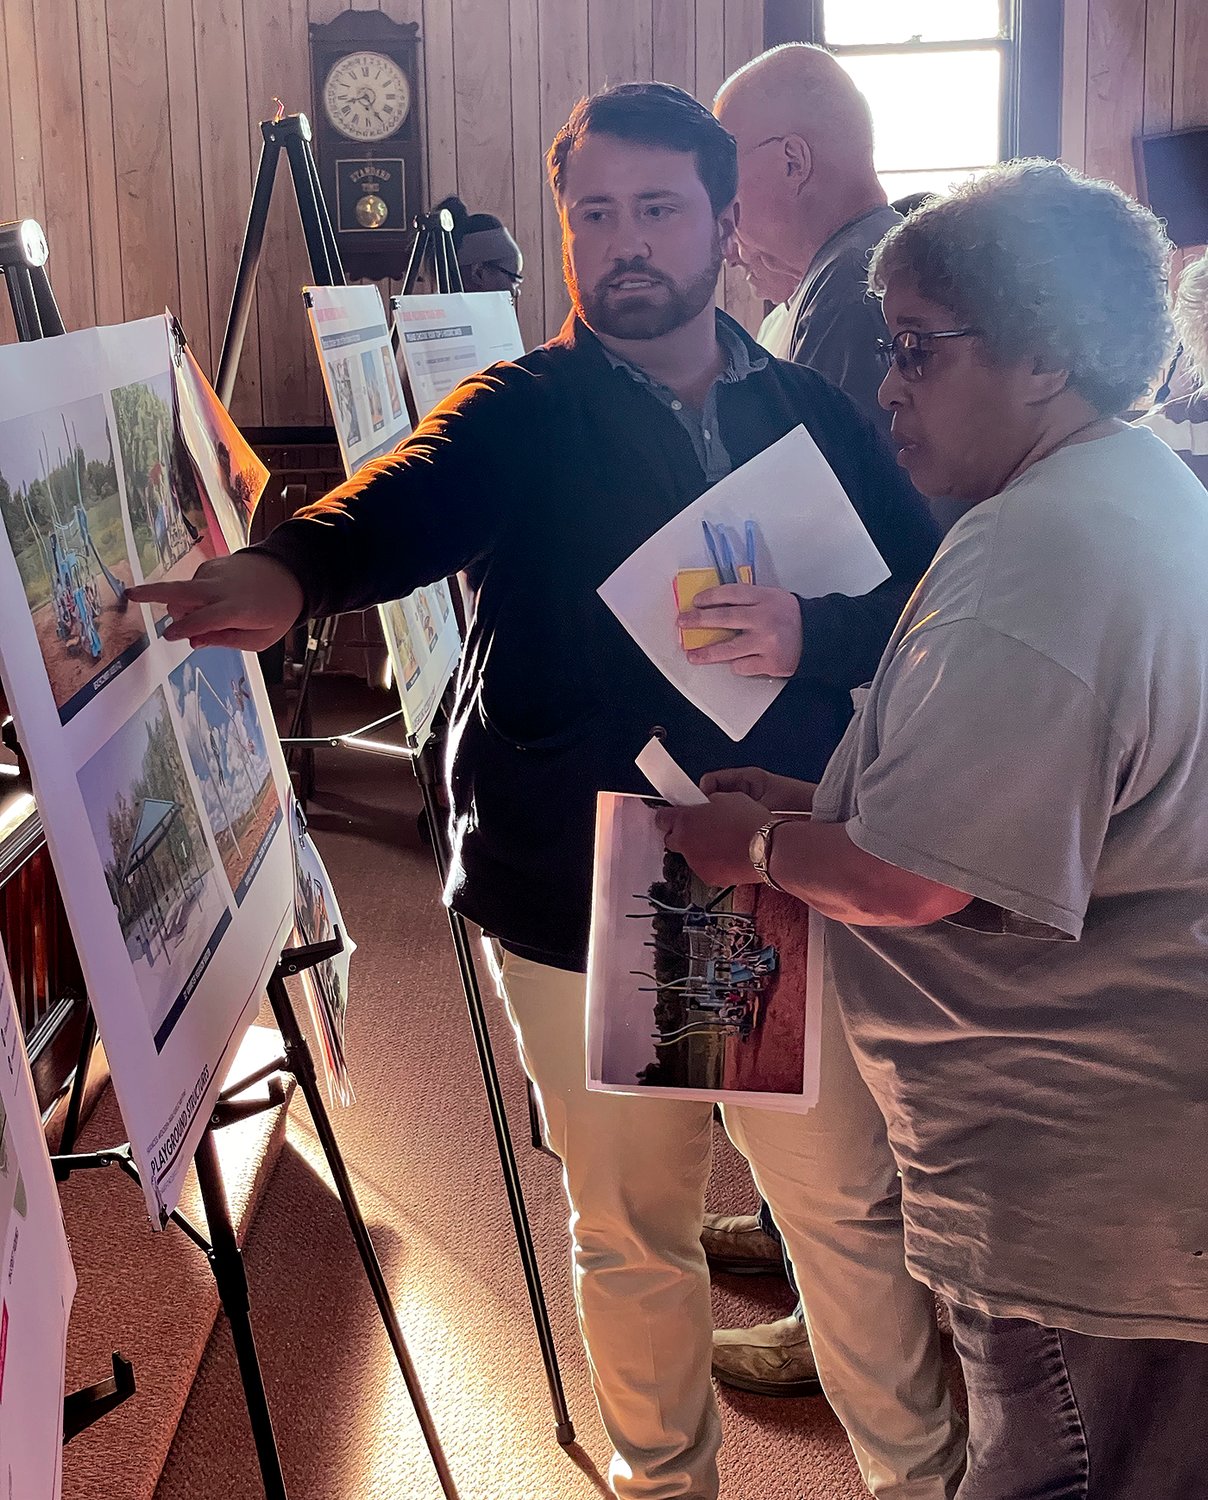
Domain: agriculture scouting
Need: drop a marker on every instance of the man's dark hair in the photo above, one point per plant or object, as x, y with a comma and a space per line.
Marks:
653, 114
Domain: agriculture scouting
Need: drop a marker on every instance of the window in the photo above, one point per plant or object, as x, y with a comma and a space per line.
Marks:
954, 85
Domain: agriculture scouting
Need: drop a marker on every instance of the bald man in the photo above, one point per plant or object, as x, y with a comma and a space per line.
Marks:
811, 208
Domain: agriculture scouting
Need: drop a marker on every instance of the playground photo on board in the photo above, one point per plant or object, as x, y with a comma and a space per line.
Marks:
166, 517
157, 864
60, 505
685, 987
214, 703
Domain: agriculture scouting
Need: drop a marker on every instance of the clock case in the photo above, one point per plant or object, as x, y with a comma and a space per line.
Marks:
389, 169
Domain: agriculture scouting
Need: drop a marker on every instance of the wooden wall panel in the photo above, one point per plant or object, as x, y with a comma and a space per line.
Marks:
528, 169
104, 230
64, 166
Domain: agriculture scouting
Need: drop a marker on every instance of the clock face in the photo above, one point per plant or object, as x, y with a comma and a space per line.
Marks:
367, 96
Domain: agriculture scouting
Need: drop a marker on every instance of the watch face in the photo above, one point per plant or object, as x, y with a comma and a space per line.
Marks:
367, 96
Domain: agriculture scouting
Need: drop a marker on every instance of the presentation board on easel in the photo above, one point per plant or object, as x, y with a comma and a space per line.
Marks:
364, 392
156, 768
37, 1281
446, 336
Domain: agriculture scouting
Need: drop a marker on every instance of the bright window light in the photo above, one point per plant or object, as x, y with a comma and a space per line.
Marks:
932, 111
855, 23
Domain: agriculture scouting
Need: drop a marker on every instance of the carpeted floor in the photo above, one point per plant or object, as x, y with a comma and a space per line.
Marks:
420, 1148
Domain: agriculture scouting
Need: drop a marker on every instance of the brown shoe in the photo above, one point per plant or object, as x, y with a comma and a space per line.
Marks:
771, 1359
736, 1244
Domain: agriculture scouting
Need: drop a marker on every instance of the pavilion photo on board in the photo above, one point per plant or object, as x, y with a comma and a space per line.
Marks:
166, 516
60, 506
690, 988
157, 863
230, 759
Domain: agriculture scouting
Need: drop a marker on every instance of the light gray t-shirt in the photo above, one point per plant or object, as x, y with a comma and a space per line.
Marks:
1037, 735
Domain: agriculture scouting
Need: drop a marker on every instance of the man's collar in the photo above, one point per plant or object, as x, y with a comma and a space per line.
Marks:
743, 355
860, 233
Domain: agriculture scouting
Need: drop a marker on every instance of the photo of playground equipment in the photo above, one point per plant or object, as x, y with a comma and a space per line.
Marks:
227, 750
166, 516
689, 985
60, 506
157, 863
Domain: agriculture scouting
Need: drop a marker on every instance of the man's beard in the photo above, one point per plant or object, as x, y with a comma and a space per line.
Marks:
639, 316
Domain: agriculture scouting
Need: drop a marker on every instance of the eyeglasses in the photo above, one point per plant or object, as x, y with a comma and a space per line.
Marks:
515, 277
908, 352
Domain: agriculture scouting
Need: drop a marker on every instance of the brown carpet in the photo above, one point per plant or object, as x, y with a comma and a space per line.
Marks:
420, 1148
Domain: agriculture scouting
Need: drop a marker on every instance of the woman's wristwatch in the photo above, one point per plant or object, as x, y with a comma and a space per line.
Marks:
759, 851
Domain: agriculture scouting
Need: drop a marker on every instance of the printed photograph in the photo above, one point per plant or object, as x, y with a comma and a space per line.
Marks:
346, 406
63, 515
13, 1199
444, 600
162, 497
373, 391
392, 390
316, 918
227, 749
397, 628
231, 477
690, 987
158, 867
423, 613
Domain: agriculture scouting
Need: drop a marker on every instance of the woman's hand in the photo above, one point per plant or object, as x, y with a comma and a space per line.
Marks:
246, 600
715, 837
780, 793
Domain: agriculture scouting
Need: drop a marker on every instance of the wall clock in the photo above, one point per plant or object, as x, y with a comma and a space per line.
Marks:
365, 76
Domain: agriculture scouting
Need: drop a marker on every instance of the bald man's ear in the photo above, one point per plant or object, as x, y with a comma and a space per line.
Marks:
727, 226
798, 160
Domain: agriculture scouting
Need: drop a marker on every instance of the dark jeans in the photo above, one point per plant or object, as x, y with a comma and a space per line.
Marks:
1055, 1415
768, 1225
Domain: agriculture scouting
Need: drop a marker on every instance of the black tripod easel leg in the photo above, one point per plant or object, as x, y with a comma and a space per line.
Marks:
425, 771
302, 1066
226, 1261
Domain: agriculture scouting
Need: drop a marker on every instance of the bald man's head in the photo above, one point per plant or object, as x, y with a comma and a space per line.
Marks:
805, 150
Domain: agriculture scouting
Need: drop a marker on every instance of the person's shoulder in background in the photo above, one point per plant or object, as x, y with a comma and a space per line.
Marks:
1182, 424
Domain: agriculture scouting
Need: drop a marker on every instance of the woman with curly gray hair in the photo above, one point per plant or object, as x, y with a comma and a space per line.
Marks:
1010, 847
1183, 421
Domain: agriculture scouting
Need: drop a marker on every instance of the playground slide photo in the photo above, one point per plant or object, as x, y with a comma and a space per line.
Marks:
692, 992
167, 521
158, 867
61, 508
213, 700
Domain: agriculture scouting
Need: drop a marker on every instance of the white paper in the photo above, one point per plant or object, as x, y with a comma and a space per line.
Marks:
810, 540
364, 392
156, 769
444, 337
668, 777
37, 1281
702, 1009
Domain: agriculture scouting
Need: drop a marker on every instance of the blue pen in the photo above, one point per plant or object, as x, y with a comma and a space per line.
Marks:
728, 553
713, 553
750, 534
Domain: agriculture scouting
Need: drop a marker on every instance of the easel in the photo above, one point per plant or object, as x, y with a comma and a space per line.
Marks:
291, 133
32, 302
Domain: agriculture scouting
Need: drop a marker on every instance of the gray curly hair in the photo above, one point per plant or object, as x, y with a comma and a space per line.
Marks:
1045, 262
1191, 316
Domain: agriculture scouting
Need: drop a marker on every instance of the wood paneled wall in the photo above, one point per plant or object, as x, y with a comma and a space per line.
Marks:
1130, 66
129, 129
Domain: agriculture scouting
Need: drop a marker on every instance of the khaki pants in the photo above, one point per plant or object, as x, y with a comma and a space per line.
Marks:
635, 1172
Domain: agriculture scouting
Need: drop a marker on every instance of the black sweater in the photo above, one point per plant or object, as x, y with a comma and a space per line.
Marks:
538, 478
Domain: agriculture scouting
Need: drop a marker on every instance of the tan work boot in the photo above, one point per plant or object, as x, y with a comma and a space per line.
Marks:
771, 1359
735, 1243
